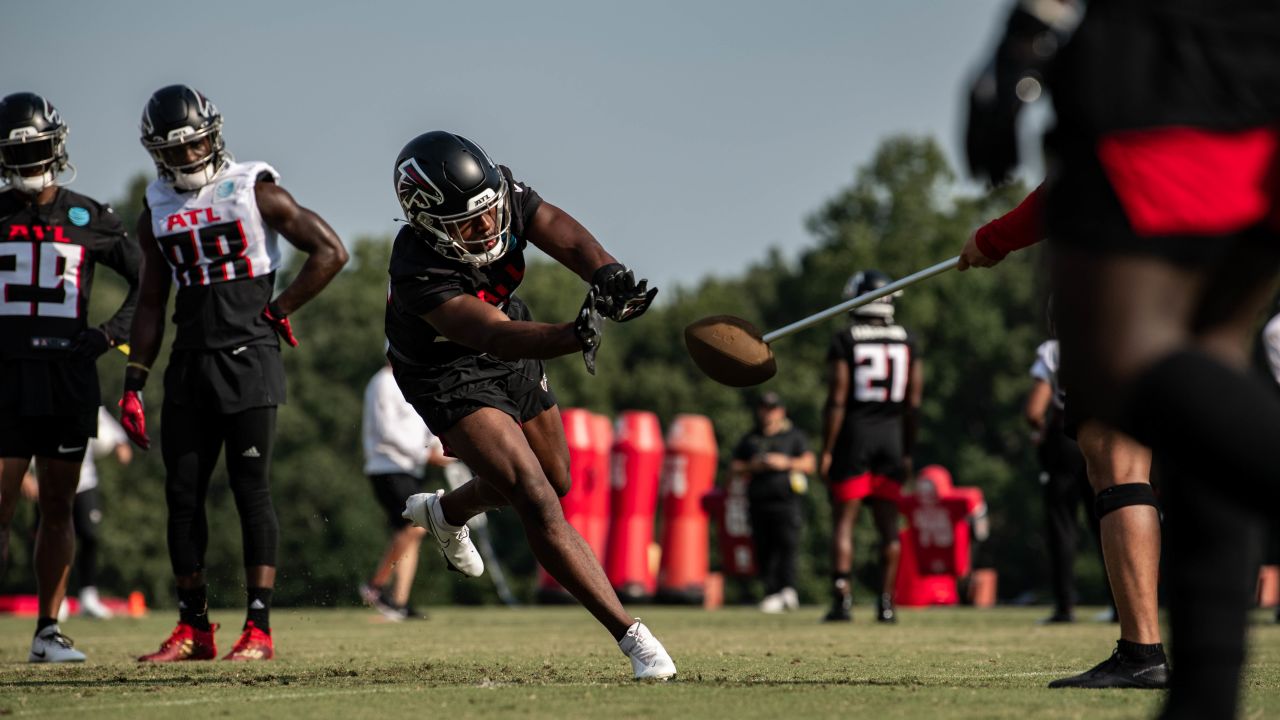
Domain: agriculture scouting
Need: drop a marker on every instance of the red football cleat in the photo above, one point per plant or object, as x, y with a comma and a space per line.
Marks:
254, 644
186, 643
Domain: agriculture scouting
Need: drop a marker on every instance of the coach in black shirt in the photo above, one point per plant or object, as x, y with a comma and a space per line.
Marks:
776, 455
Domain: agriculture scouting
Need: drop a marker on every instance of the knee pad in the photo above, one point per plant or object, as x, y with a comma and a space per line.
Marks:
1123, 495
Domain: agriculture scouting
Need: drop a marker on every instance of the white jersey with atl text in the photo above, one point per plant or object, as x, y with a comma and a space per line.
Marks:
215, 234
223, 256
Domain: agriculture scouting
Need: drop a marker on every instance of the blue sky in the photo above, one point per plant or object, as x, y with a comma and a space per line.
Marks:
689, 136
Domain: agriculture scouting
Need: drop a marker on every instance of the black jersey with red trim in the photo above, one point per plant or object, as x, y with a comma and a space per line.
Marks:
423, 279
48, 254
1157, 63
879, 358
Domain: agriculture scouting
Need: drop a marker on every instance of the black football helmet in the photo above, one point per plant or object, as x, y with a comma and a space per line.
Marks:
176, 116
33, 142
865, 281
448, 186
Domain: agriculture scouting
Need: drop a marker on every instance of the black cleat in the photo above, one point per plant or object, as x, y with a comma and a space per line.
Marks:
838, 614
884, 609
412, 613
841, 609
1118, 671
1059, 616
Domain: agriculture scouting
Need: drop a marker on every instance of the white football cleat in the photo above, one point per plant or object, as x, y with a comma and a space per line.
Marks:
649, 660
91, 605
455, 542
790, 599
50, 645
773, 604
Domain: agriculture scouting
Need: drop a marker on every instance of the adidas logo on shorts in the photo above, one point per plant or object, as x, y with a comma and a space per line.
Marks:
252, 452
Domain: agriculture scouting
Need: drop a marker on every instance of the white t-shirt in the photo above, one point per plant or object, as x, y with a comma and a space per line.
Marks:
396, 440
1046, 368
110, 434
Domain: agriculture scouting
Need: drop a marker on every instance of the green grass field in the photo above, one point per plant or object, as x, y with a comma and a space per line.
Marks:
557, 663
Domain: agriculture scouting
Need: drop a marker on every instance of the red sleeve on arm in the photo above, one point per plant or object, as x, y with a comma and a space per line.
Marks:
1021, 227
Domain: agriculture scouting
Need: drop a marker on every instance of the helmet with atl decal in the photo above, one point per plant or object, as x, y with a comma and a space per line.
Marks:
455, 196
33, 142
865, 281
182, 130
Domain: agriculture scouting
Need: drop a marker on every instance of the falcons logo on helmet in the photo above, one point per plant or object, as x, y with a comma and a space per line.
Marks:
415, 189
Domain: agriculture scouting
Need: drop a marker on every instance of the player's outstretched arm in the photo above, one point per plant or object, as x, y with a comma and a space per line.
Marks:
619, 296
308, 232
560, 235
470, 321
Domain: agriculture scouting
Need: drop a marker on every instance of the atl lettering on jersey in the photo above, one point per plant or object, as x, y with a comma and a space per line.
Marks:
215, 234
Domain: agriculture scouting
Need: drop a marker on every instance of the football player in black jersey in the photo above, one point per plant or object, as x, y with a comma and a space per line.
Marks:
874, 393
468, 357
51, 239
1163, 212
210, 226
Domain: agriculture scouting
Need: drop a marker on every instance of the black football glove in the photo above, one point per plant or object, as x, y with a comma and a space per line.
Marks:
618, 296
589, 327
90, 344
1013, 78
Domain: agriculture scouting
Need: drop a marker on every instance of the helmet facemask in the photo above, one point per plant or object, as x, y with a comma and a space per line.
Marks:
865, 282
464, 236
26, 150
882, 308
173, 165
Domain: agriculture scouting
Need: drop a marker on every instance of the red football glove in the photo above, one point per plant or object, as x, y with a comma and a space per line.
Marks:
134, 419
280, 323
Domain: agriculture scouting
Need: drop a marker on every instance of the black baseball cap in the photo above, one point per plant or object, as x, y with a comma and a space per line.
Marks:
770, 399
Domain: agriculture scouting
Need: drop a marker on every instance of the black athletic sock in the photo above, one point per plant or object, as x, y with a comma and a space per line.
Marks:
45, 622
1213, 420
193, 607
259, 609
1139, 652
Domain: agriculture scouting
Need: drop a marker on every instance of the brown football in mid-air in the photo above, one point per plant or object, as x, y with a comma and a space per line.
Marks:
730, 351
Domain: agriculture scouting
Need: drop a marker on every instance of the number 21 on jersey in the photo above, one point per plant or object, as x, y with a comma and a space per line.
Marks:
880, 372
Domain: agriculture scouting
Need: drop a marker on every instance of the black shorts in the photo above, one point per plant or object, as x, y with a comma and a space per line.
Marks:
521, 392
868, 447
60, 437
392, 490
225, 381
31, 387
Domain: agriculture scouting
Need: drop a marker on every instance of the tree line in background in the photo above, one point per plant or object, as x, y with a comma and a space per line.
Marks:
977, 333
